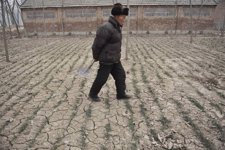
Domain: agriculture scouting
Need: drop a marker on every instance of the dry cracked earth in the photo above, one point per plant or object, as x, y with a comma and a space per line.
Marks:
177, 88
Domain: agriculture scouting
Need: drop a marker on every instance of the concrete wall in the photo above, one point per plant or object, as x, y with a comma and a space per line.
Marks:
143, 18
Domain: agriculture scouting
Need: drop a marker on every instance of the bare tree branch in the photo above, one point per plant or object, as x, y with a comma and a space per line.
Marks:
4, 33
13, 17
216, 1
21, 2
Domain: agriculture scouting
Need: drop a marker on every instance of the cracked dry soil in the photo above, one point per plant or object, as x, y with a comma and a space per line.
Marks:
177, 88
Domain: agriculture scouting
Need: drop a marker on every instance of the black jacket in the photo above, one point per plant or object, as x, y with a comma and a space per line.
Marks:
107, 44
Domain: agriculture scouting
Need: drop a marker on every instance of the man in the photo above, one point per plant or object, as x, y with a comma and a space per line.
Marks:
107, 50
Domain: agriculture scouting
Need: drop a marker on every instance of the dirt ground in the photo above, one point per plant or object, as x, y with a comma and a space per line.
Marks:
177, 88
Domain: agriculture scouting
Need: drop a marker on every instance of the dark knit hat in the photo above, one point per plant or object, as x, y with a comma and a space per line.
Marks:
119, 10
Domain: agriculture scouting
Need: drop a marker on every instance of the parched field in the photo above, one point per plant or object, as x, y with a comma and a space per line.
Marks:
177, 88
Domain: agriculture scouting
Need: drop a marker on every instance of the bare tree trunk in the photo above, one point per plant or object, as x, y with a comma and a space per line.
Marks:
21, 14
43, 11
12, 15
199, 15
176, 23
128, 31
62, 18
9, 21
4, 34
191, 39
25, 30
0, 22
137, 21
13, 9
35, 17
223, 25
84, 14
86, 20
14, 1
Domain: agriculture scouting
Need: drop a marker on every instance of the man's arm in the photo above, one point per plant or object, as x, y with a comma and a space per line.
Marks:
102, 36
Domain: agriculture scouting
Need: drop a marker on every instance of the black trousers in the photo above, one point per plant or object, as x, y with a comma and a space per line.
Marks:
118, 73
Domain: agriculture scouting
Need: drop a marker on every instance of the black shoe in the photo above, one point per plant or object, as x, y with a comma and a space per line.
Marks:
94, 98
120, 97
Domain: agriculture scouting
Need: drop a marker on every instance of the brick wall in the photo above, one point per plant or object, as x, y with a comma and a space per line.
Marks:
143, 18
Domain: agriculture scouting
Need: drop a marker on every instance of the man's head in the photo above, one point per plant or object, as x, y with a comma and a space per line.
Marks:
119, 13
